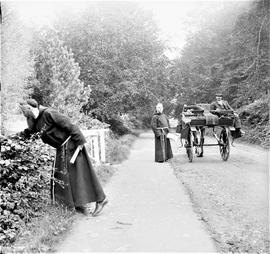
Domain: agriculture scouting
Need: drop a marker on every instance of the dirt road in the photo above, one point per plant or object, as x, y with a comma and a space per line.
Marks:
148, 211
232, 197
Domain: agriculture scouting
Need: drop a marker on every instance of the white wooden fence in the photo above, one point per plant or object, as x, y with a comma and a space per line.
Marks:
96, 144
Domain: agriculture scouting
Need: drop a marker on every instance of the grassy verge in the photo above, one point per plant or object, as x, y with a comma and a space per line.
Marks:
255, 121
117, 149
45, 231
259, 135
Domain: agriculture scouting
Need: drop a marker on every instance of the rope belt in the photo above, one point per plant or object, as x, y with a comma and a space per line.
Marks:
162, 141
63, 157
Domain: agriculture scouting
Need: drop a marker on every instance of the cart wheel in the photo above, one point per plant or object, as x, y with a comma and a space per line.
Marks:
224, 146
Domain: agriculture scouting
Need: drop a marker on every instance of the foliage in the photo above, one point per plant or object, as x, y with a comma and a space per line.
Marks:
15, 63
86, 122
117, 149
121, 57
229, 55
56, 80
24, 169
256, 117
118, 126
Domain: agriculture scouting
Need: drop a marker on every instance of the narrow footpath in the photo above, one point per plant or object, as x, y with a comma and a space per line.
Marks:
148, 210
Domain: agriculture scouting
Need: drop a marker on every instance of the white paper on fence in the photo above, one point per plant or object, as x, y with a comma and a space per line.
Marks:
173, 136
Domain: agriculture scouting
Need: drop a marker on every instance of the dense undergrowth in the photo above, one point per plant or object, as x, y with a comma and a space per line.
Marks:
117, 149
25, 175
255, 120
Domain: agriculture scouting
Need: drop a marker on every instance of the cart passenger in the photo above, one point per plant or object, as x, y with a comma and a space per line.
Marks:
160, 127
220, 104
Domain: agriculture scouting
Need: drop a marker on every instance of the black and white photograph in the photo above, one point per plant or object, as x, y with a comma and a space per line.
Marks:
134, 126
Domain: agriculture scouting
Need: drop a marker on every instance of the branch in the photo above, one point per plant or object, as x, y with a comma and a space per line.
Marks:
259, 41
258, 47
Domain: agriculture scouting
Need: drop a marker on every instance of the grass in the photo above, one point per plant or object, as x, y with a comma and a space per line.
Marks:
105, 172
118, 149
259, 135
43, 232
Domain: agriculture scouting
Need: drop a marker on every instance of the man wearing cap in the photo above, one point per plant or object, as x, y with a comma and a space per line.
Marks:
221, 104
76, 183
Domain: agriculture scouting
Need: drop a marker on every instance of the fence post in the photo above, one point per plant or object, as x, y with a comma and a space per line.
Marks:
102, 145
96, 149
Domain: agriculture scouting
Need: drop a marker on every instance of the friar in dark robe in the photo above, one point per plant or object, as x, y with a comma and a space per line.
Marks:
160, 127
75, 182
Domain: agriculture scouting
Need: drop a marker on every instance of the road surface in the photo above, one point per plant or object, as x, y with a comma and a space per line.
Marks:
232, 197
149, 210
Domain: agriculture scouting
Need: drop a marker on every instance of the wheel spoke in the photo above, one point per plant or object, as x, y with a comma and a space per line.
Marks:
225, 145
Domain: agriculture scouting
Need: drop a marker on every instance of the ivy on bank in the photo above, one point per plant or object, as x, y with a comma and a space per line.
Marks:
25, 180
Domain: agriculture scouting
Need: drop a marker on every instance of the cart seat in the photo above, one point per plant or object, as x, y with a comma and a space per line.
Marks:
205, 106
202, 115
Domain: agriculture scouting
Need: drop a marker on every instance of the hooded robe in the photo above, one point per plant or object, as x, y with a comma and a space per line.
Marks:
160, 127
75, 184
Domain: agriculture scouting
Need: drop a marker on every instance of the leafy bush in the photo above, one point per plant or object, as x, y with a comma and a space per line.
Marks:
24, 183
117, 150
55, 81
117, 125
86, 122
146, 122
126, 124
255, 118
256, 113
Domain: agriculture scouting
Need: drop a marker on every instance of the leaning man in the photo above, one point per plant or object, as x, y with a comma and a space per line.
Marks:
76, 184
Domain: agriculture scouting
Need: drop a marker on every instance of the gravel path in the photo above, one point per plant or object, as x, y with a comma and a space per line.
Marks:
148, 211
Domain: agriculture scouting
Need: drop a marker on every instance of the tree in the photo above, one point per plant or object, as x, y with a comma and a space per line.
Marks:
121, 58
56, 80
15, 63
225, 56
